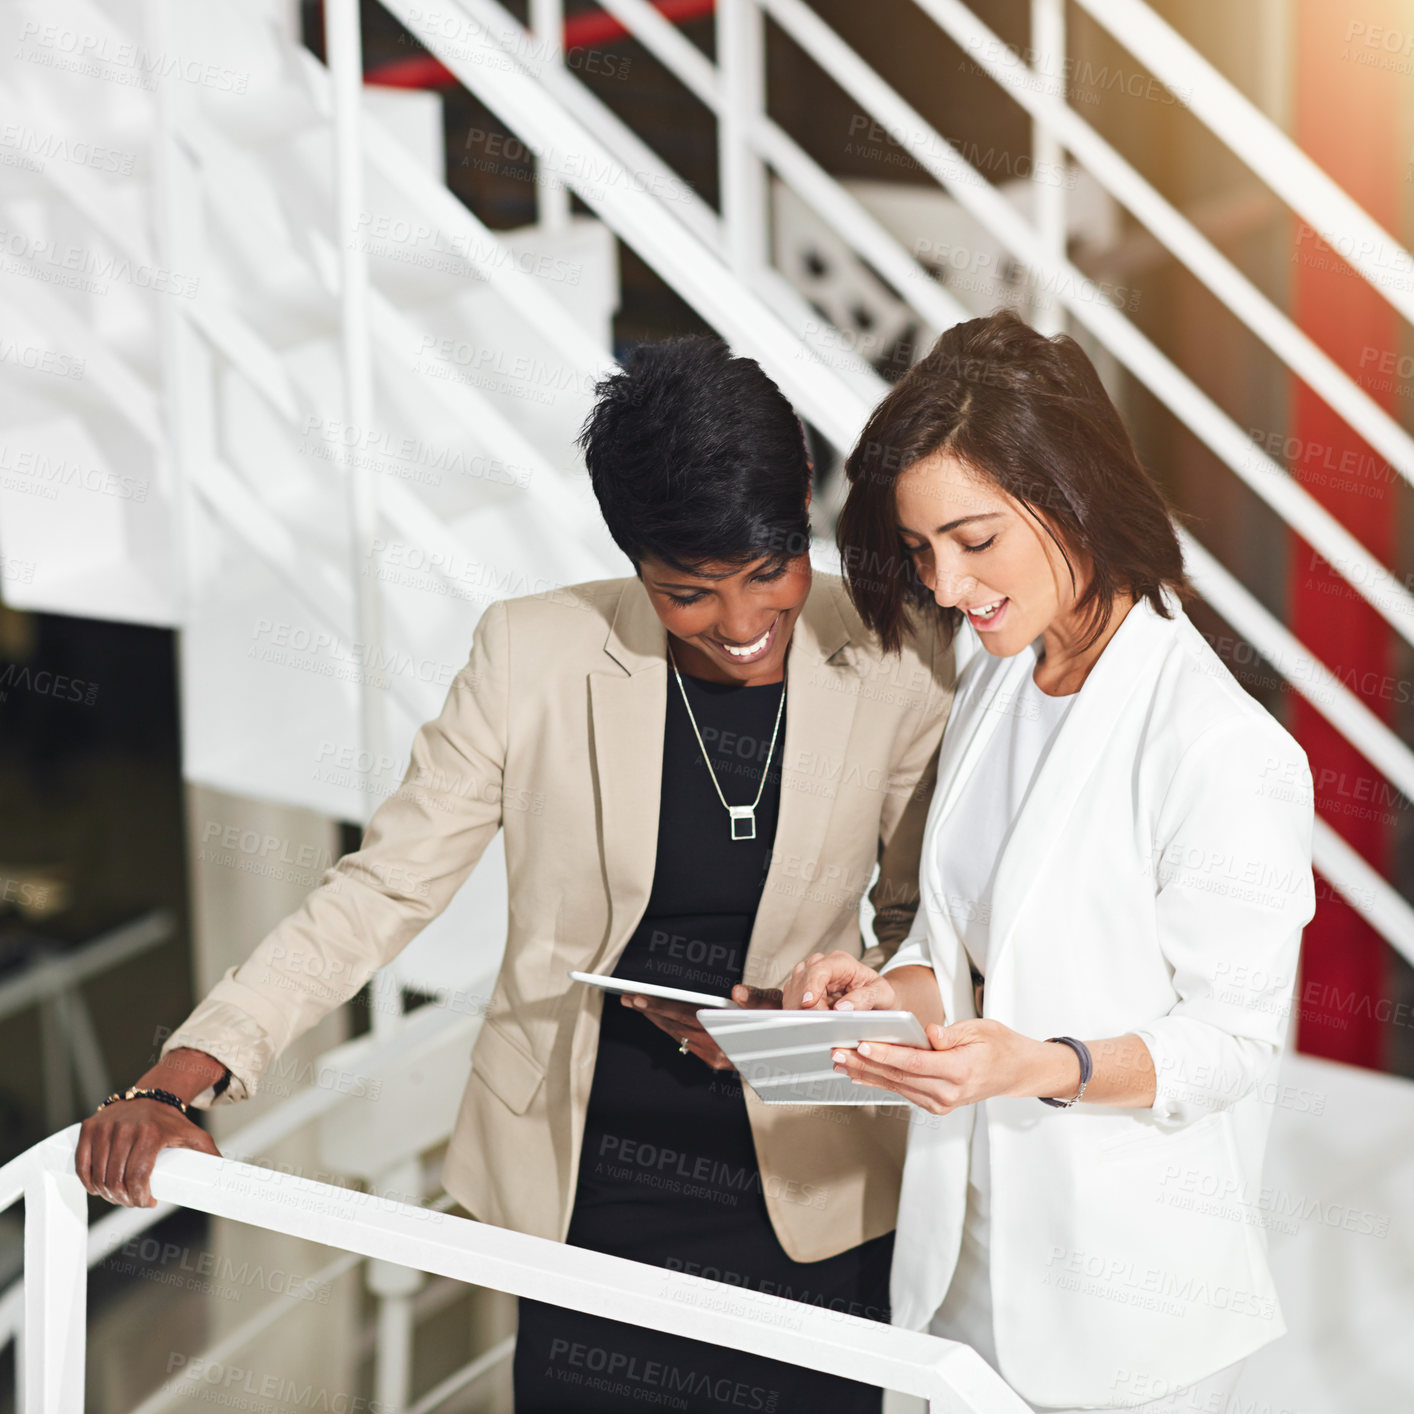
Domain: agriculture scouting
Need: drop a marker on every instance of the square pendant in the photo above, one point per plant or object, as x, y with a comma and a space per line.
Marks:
743, 821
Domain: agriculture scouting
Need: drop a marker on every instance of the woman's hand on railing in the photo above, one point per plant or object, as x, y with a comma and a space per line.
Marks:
119, 1145
837, 980
679, 1020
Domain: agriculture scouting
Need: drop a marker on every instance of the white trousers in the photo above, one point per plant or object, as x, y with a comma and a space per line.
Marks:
966, 1312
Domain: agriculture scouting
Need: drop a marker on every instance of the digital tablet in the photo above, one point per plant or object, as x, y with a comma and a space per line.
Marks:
624, 986
785, 1055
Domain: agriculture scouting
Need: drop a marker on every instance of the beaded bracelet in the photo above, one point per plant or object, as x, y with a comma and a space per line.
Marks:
1087, 1069
166, 1097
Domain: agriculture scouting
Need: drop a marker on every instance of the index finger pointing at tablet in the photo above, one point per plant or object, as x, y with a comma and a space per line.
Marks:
808, 987
819, 980
877, 994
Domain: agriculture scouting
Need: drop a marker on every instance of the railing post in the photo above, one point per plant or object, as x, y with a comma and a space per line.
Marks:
547, 24
343, 44
741, 62
395, 1286
56, 1293
1047, 154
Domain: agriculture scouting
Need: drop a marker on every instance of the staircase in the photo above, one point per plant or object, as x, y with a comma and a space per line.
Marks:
269, 383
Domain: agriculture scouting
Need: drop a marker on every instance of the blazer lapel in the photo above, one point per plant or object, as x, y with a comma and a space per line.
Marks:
822, 690
628, 704
1124, 667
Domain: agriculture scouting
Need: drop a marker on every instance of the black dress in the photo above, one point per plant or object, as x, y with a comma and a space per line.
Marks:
668, 1173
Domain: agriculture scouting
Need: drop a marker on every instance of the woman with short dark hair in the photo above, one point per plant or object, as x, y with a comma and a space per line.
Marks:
668, 818
1115, 875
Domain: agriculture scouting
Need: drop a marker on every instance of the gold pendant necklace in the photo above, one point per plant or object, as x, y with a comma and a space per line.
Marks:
743, 816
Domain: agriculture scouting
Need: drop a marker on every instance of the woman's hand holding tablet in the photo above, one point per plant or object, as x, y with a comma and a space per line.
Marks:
869, 1057
959, 1064
785, 1056
675, 1011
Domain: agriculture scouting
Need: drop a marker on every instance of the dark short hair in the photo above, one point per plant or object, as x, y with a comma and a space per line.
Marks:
1030, 415
696, 456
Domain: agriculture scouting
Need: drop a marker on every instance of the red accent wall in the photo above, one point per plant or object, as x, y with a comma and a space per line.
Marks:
1349, 85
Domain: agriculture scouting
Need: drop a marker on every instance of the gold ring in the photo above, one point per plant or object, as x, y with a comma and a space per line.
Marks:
682, 1046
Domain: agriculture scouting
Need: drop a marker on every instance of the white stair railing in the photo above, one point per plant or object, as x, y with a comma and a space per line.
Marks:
695, 70
832, 202
1179, 393
755, 321
548, 128
426, 1033
422, 1043
953, 1377
1238, 123
689, 245
1178, 234
619, 193
550, 108
72, 1063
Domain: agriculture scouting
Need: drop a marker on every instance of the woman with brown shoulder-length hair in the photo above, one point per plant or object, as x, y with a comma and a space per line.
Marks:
1115, 874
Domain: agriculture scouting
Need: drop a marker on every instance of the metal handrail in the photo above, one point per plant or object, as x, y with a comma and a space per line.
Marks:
1372, 896
1366, 575
951, 1375
428, 1026
845, 416
1249, 134
715, 231
1393, 918
550, 130
1180, 236
831, 201
1183, 239
1392, 757
1288, 498
219, 1354
51, 975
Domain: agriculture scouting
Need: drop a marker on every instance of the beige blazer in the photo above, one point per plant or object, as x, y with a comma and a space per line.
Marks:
553, 732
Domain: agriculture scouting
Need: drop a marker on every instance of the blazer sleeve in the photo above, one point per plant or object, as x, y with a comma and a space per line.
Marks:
420, 846
1235, 890
895, 893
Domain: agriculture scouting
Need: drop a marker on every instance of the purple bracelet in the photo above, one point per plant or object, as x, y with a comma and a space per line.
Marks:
1087, 1069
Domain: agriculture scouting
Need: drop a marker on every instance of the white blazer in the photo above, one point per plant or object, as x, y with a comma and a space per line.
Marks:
1155, 882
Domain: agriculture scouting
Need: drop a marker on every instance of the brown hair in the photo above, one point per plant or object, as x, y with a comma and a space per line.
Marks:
1030, 415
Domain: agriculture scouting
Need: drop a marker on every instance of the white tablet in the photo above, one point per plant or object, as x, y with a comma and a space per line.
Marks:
625, 987
785, 1055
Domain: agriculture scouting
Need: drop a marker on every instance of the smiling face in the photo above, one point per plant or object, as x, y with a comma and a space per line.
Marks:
730, 624
978, 549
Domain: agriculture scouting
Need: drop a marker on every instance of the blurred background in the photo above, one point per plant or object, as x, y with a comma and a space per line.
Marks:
290, 371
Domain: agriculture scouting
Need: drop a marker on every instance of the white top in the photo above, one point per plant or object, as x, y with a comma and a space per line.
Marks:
971, 840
